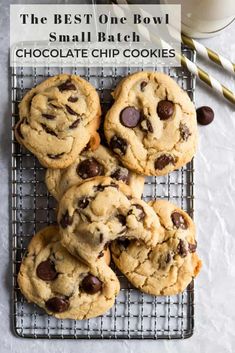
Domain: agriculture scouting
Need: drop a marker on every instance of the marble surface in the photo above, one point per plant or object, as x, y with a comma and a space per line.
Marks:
215, 205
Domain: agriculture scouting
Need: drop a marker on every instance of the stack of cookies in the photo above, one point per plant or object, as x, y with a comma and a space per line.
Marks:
151, 130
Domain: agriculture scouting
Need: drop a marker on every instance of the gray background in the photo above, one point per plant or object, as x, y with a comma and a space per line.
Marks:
215, 198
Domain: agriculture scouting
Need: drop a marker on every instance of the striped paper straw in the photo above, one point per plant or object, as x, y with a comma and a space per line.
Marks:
208, 53
202, 75
208, 79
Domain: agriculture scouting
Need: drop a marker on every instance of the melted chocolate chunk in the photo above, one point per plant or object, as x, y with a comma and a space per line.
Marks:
122, 241
143, 85
122, 219
70, 110
178, 220
91, 284
46, 270
55, 156
162, 161
74, 124
165, 109
121, 174
73, 99
55, 106
48, 116
66, 220
89, 168
146, 125
101, 254
57, 305
181, 248
140, 215
192, 247
67, 86
83, 202
101, 237
118, 145
48, 130
168, 258
184, 132
165, 259
130, 117
102, 187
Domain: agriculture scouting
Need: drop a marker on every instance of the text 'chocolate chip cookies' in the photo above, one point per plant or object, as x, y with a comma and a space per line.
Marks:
152, 124
99, 211
170, 266
58, 118
61, 284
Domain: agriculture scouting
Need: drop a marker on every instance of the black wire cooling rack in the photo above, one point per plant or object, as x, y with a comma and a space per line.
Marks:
134, 315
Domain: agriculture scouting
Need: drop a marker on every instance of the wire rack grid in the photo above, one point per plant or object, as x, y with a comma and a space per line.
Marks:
134, 315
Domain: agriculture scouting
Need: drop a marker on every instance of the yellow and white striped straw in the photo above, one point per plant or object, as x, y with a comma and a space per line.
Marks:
208, 53
202, 75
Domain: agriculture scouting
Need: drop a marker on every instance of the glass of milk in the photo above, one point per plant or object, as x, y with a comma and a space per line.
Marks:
205, 18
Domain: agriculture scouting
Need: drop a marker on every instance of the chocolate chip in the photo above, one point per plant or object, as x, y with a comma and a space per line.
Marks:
205, 115
192, 247
178, 220
101, 254
165, 259
55, 156
130, 117
57, 305
48, 116
121, 174
74, 124
181, 248
83, 202
54, 106
67, 86
70, 110
165, 109
118, 145
48, 130
102, 187
168, 258
122, 241
184, 132
73, 99
46, 270
89, 168
122, 219
143, 85
91, 284
162, 161
140, 216
101, 237
146, 125
66, 220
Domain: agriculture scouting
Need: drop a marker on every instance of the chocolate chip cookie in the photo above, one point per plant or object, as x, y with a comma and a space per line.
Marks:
100, 210
152, 124
58, 118
62, 285
90, 164
170, 266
